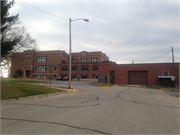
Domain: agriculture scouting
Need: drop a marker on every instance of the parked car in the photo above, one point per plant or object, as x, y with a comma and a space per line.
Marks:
65, 78
59, 78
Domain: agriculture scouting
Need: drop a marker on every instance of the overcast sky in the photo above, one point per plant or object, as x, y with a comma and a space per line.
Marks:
125, 31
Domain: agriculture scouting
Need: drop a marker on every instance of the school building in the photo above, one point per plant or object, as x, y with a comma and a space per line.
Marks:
35, 64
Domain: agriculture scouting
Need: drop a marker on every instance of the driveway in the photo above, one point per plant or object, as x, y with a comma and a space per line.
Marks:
94, 110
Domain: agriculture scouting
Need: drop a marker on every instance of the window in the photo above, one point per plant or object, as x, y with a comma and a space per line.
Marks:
54, 76
74, 60
84, 67
63, 56
41, 59
84, 60
84, 75
95, 76
74, 67
41, 68
40, 76
54, 68
63, 61
73, 76
95, 67
64, 68
64, 75
93, 60
165, 73
28, 59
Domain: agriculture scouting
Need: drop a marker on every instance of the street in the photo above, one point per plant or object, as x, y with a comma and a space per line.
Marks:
94, 110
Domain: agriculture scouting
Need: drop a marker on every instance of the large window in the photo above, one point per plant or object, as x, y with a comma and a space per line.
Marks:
84, 67
64, 68
41, 59
64, 75
74, 60
95, 76
84, 60
84, 75
40, 76
74, 67
165, 73
63, 56
93, 60
73, 76
41, 68
95, 67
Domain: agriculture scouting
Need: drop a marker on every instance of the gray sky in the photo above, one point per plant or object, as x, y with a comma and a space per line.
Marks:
125, 31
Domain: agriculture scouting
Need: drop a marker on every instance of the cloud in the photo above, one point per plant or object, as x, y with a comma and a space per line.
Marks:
125, 31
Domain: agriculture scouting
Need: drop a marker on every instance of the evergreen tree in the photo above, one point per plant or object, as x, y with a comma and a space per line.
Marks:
8, 42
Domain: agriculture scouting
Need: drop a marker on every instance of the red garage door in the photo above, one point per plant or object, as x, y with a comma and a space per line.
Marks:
137, 77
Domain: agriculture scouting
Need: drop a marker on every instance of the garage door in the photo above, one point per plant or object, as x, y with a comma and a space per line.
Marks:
137, 77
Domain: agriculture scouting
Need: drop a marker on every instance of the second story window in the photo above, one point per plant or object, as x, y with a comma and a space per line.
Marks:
93, 60
74, 60
84, 60
41, 68
54, 68
28, 59
63, 56
41, 59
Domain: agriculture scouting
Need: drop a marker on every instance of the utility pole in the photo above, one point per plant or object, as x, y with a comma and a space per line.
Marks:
173, 67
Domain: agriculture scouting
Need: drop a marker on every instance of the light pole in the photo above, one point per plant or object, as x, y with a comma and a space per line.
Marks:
70, 46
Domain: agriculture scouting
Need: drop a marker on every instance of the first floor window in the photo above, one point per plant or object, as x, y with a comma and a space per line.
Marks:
40, 76
73, 76
54, 76
84, 75
165, 73
95, 76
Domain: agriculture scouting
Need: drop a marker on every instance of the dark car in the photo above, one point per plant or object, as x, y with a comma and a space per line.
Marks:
65, 78
59, 78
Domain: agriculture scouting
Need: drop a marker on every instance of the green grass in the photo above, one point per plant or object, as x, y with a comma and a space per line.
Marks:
17, 88
103, 84
21, 80
170, 89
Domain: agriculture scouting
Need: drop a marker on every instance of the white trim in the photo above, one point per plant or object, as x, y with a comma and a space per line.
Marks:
165, 76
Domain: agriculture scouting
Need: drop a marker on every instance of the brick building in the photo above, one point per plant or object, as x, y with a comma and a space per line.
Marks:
35, 64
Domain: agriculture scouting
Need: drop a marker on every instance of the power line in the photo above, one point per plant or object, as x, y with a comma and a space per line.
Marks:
158, 56
44, 11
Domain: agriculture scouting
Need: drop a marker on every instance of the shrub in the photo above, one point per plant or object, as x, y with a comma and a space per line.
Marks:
19, 72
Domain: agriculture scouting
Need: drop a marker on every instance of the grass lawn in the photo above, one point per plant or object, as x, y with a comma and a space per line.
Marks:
15, 88
170, 89
103, 84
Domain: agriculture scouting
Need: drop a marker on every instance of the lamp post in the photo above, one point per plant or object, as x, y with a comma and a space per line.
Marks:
70, 46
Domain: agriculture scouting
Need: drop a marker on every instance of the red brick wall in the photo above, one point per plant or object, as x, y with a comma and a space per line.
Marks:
153, 71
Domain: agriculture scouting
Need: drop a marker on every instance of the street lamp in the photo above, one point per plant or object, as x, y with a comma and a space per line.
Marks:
70, 46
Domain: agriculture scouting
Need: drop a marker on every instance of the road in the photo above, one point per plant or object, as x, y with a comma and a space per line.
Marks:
94, 110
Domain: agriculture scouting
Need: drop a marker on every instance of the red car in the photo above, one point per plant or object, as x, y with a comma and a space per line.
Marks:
65, 78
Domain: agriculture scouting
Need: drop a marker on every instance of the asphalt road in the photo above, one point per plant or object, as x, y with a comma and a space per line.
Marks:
94, 110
